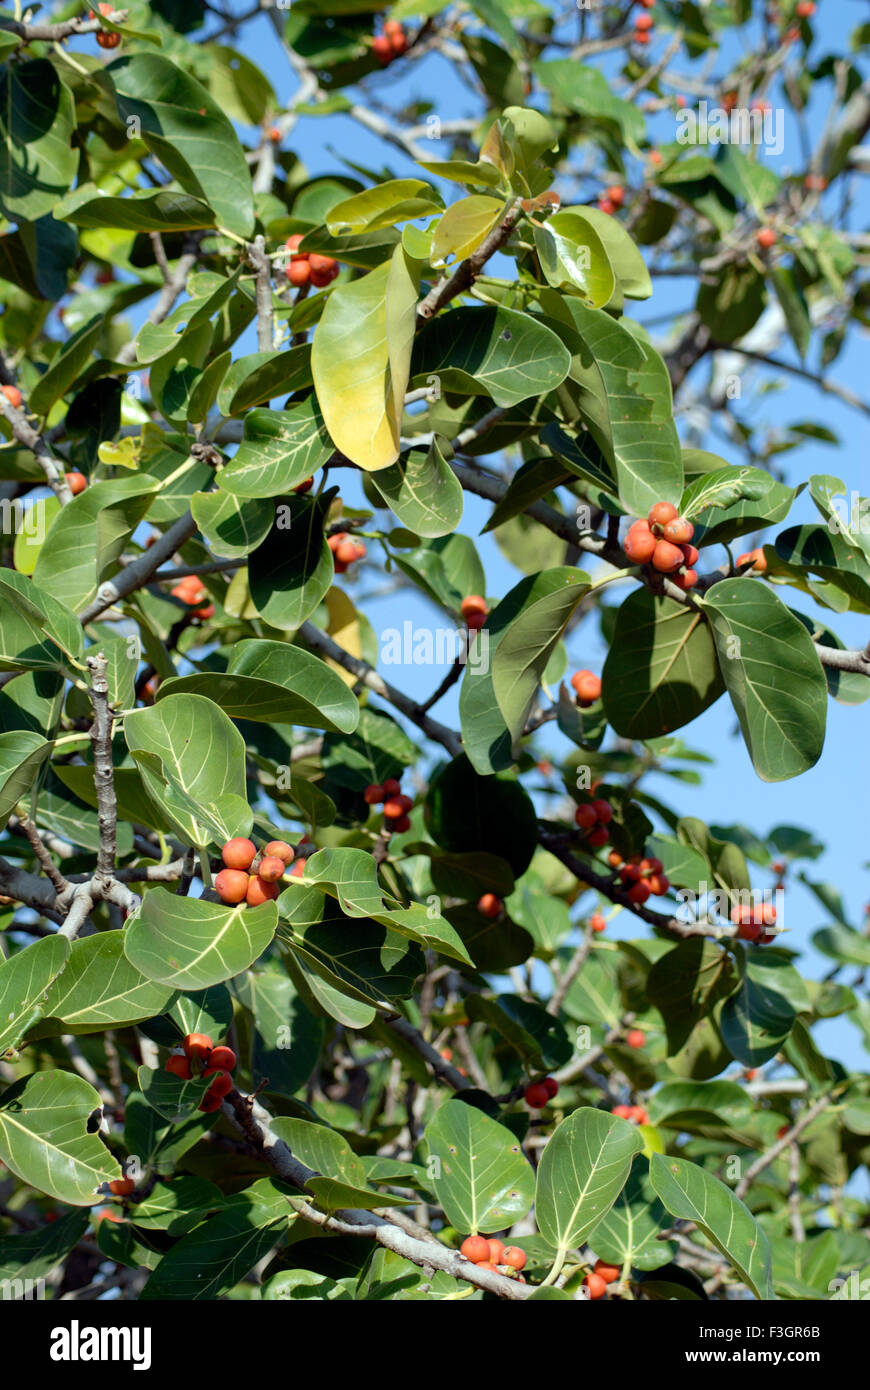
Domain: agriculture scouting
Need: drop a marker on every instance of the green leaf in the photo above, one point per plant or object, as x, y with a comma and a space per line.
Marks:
65, 367
25, 979
684, 985
627, 404
465, 812
350, 875
477, 174
726, 859
280, 448
397, 200
366, 961
520, 657
99, 989
661, 670
733, 303
360, 359
692, 1194
35, 1254
497, 352
586, 90
841, 943
344, 1183
189, 943
422, 490
36, 632
21, 756
192, 758
572, 256
37, 157
202, 151
632, 276
38, 258
273, 683
748, 179
144, 210
177, 1206
287, 1037
826, 552
464, 226
582, 1171
210, 1261
291, 572
691, 1105
722, 488
203, 1011
792, 301
261, 376
629, 1233
171, 1098
232, 526
480, 1176
756, 1020
773, 675
87, 537
539, 1038
44, 1137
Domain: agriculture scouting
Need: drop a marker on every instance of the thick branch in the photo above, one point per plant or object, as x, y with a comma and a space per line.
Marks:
263, 267
465, 274
134, 575
54, 33
31, 439
104, 772
254, 1122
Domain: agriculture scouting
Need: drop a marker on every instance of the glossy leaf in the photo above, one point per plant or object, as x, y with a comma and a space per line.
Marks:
773, 676
188, 132
629, 1233
99, 988
520, 657
37, 158
21, 756
661, 670
25, 980
480, 1176
423, 491
692, 1194
45, 1140
189, 943
360, 362
274, 683
192, 759
281, 448
582, 1171
496, 352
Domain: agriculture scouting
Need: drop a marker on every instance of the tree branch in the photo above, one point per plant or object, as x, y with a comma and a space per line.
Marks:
768, 1157
253, 1121
104, 772
465, 274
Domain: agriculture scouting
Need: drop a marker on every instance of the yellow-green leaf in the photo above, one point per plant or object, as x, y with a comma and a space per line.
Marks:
360, 361
464, 226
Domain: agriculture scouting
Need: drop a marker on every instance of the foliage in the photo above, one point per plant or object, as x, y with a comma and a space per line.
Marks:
185, 658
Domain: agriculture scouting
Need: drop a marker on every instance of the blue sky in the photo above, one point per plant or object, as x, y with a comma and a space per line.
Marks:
823, 800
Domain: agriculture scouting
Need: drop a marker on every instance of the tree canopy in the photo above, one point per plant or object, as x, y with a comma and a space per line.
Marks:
315, 980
